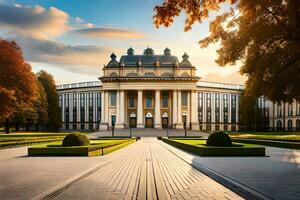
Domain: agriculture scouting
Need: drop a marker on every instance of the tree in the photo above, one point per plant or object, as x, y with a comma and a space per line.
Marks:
48, 83
41, 106
17, 82
36, 114
263, 34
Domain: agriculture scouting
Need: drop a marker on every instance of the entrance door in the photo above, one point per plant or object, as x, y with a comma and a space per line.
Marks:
165, 120
149, 120
132, 120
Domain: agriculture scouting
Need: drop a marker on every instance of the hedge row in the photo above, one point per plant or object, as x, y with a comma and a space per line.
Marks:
204, 150
26, 142
92, 150
273, 143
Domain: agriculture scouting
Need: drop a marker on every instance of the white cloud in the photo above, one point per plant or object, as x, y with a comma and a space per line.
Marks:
35, 21
78, 20
109, 33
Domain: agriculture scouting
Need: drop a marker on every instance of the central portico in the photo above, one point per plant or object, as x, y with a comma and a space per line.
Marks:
152, 91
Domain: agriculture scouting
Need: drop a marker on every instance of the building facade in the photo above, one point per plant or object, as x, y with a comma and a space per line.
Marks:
159, 91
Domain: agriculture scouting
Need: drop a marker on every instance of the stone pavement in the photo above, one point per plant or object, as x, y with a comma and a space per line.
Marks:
147, 170
23, 177
276, 176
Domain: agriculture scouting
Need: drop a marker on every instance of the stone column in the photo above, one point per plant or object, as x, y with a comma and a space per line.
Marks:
157, 118
104, 111
122, 107
140, 123
179, 124
193, 108
174, 108
120, 110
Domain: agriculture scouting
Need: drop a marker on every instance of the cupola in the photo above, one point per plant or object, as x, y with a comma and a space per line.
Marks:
148, 52
167, 52
130, 51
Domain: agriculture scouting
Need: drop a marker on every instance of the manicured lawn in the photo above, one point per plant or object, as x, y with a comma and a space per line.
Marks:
280, 136
28, 138
199, 147
97, 147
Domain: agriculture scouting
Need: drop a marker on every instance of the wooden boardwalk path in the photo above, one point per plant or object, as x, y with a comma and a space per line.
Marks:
146, 170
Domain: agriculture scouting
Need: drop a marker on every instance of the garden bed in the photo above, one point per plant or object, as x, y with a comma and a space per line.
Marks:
97, 148
199, 147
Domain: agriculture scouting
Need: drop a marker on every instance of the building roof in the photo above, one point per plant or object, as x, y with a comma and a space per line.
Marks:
149, 59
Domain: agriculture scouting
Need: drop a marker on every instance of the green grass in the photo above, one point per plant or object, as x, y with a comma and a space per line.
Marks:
28, 138
97, 147
199, 147
279, 136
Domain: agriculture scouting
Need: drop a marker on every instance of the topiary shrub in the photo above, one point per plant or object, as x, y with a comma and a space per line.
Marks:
219, 139
76, 139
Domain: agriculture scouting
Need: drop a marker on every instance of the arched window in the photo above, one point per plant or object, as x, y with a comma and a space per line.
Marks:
298, 124
279, 125
290, 125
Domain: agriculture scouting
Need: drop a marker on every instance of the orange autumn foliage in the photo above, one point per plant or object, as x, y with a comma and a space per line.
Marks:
18, 85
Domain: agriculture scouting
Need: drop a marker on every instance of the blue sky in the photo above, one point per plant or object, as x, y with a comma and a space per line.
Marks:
74, 39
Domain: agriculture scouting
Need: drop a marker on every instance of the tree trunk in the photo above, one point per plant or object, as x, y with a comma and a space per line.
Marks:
7, 125
27, 127
17, 126
37, 127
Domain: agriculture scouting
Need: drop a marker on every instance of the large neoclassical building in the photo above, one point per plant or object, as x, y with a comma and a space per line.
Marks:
158, 91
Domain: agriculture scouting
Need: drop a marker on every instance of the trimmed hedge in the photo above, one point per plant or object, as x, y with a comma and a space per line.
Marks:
235, 150
76, 139
219, 139
90, 150
11, 144
272, 143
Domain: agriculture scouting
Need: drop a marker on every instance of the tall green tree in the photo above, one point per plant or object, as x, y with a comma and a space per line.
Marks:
36, 114
263, 34
18, 86
49, 85
41, 106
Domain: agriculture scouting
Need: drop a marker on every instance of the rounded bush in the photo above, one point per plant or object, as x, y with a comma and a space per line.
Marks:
76, 139
219, 139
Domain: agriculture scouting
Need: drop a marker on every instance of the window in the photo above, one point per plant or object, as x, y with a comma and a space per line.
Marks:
290, 110
148, 100
113, 98
208, 107
165, 99
67, 116
98, 107
217, 108
131, 102
184, 98
279, 110
91, 107
225, 110
82, 108
200, 107
233, 108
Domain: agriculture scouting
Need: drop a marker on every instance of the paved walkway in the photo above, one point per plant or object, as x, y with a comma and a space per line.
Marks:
147, 170
276, 176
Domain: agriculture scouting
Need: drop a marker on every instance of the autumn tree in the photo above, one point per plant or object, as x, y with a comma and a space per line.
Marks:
17, 82
36, 114
263, 34
49, 85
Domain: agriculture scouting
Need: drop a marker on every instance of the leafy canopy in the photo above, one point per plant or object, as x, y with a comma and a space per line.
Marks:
263, 34
18, 86
48, 83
